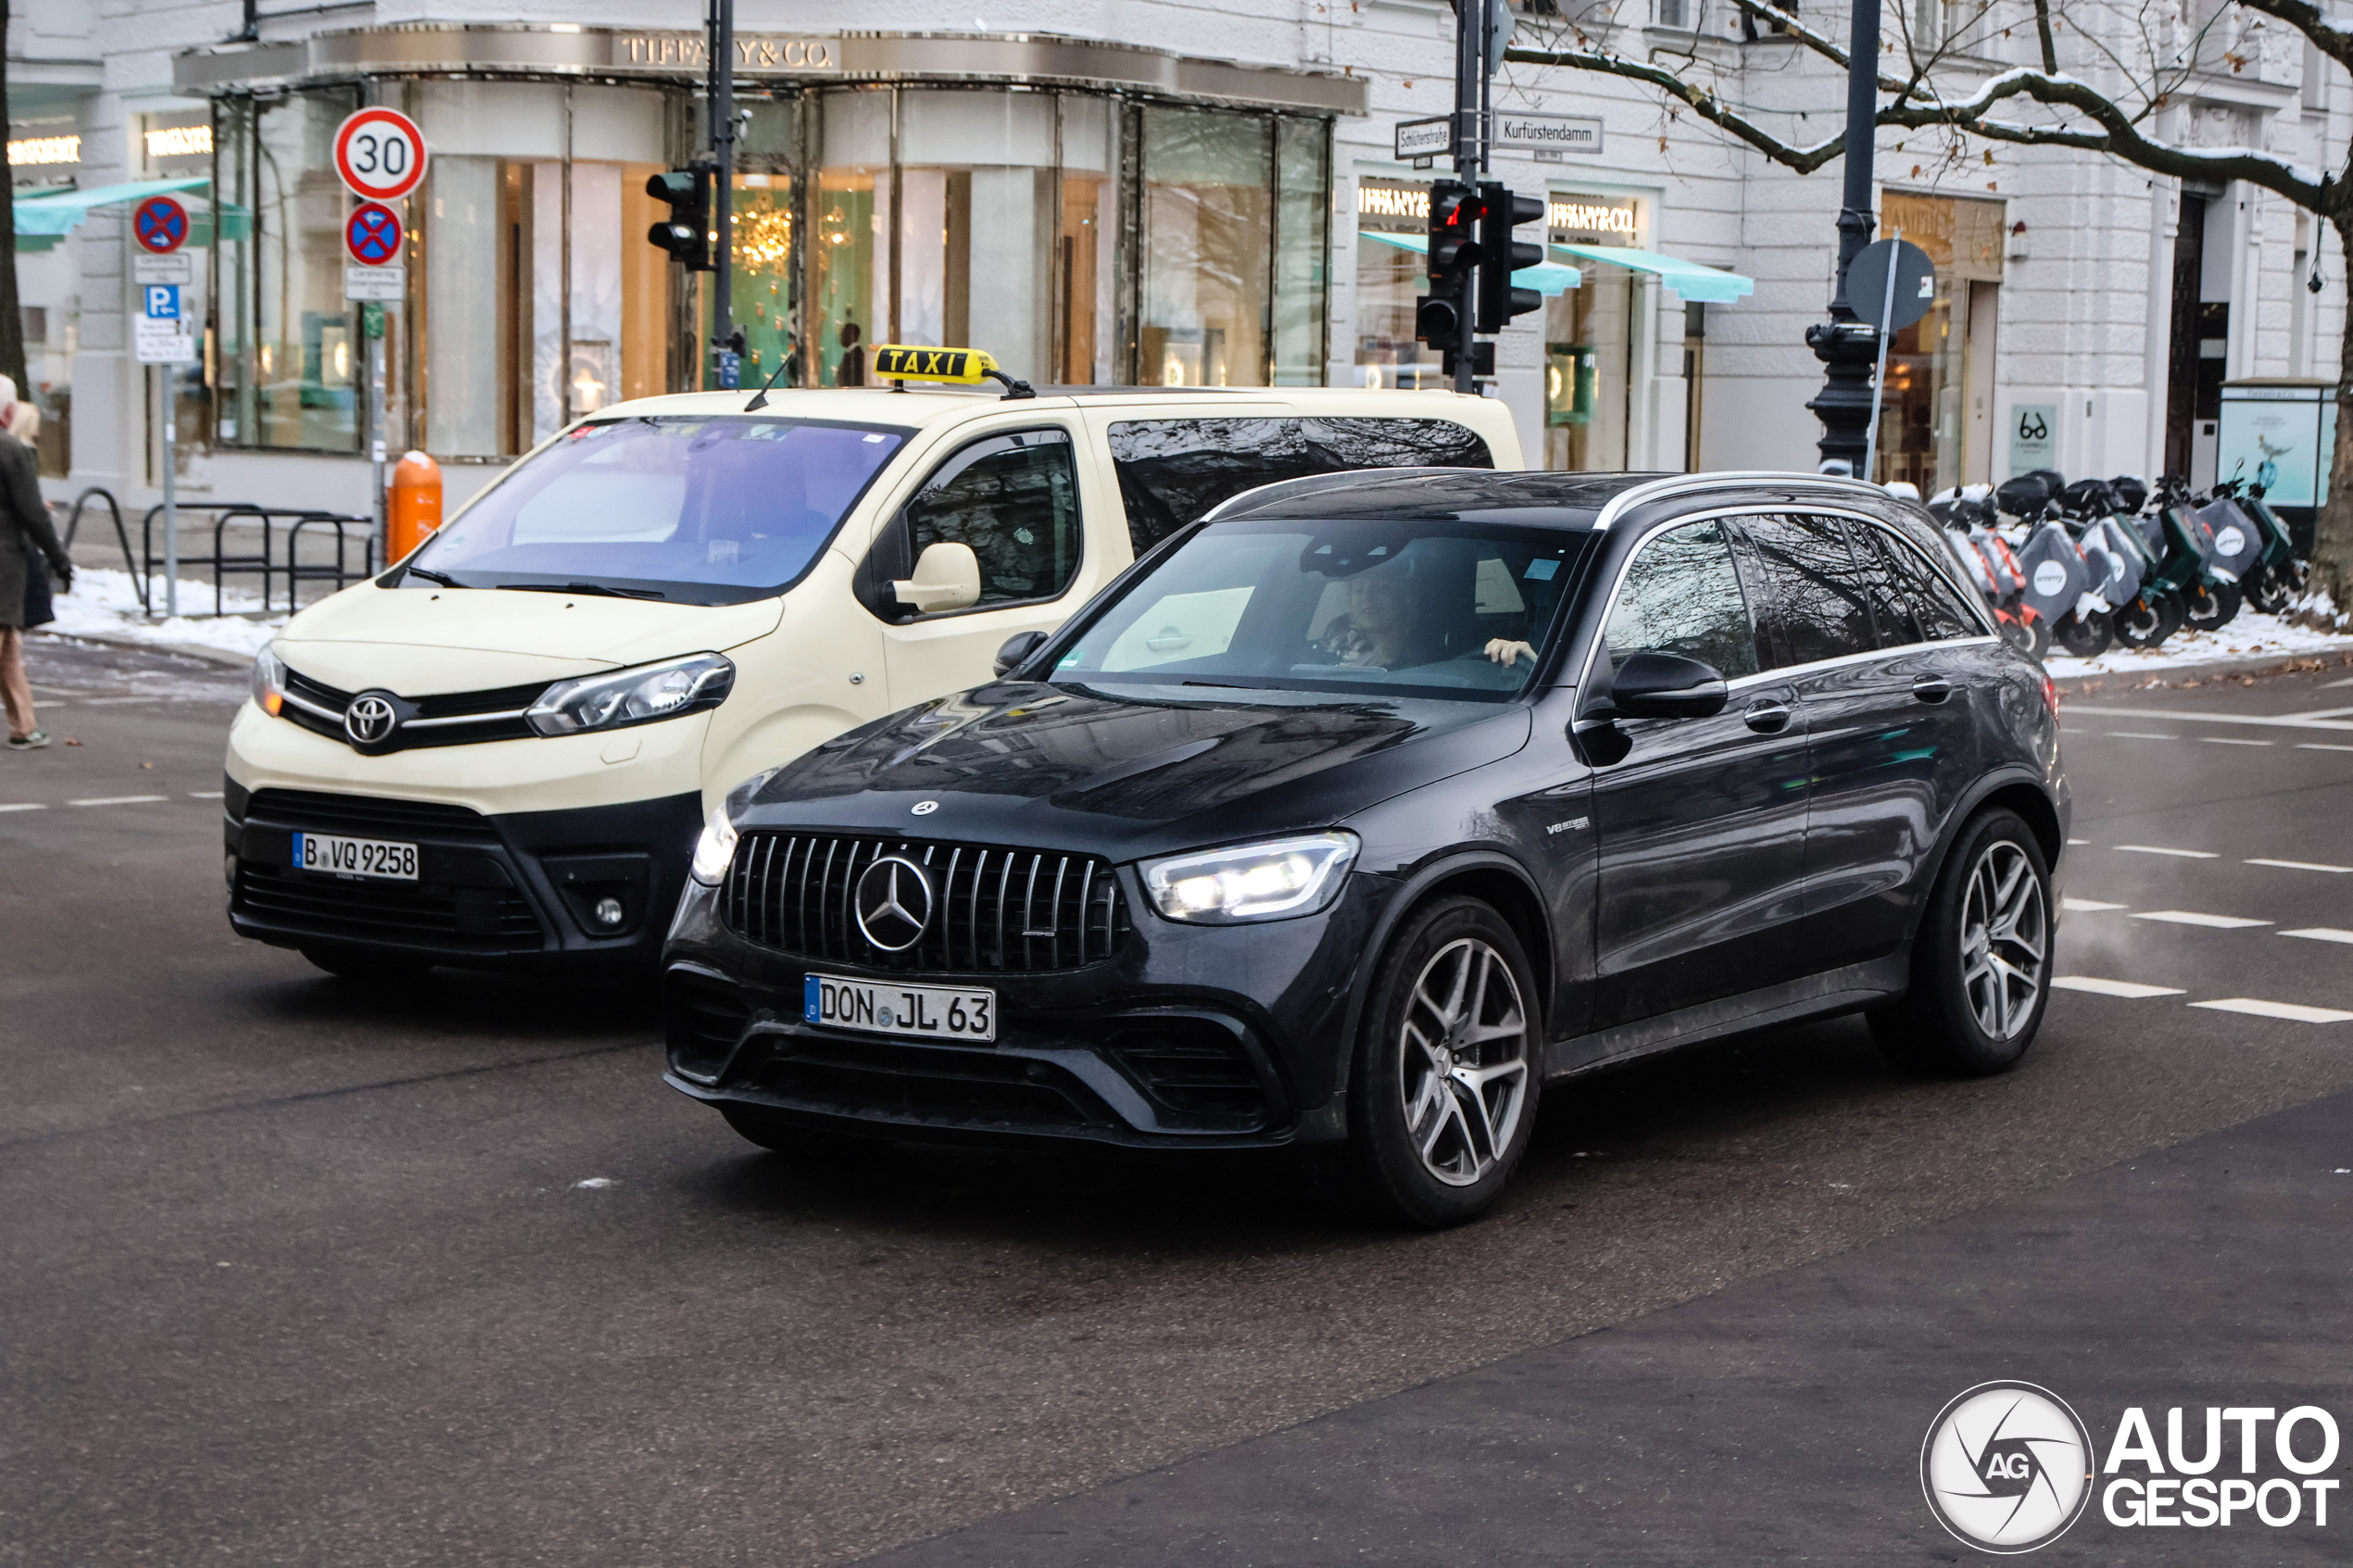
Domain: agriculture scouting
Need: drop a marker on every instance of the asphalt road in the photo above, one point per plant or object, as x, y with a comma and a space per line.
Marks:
302, 1273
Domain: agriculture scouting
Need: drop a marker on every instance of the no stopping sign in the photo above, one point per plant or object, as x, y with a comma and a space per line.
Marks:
380, 154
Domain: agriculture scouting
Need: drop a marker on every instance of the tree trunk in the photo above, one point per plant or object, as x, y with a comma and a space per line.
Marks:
11, 319
2333, 532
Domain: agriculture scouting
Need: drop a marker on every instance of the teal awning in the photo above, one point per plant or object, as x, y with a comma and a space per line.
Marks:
62, 213
1546, 277
1704, 285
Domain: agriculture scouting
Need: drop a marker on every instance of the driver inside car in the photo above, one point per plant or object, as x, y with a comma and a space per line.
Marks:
1382, 629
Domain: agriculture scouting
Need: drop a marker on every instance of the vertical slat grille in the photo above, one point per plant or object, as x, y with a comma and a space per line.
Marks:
1023, 910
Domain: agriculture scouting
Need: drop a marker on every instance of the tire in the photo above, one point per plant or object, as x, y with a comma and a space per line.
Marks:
2268, 591
2085, 636
2142, 623
2015, 632
366, 966
1965, 1016
779, 1137
2038, 645
2234, 599
2204, 606
1432, 1145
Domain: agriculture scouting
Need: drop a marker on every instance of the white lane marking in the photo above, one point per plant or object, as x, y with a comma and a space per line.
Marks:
2231, 740
2191, 917
24, 806
2289, 1010
2321, 719
2161, 850
2300, 866
2129, 989
203, 795
2079, 840
2320, 746
2087, 906
119, 801
2138, 734
2320, 934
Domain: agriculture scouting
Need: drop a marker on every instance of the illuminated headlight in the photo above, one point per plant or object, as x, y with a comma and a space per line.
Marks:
268, 683
714, 850
1287, 876
637, 695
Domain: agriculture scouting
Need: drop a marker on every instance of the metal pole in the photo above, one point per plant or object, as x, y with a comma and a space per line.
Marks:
379, 527
1878, 373
171, 498
1470, 65
1846, 343
723, 147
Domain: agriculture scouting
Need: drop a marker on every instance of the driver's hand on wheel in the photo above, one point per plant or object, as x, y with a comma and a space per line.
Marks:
1506, 650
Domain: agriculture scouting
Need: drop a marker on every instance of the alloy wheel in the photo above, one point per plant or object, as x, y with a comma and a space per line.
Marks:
1462, 1062
2005, 940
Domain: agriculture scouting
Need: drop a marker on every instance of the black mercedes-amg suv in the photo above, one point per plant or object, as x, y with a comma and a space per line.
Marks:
1370, 806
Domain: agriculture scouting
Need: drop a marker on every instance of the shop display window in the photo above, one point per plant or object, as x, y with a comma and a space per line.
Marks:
1938, 375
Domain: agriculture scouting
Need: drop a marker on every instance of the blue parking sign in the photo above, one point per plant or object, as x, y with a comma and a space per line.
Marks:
163, 302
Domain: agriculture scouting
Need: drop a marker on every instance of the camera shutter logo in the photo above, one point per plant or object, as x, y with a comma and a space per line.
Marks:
892, 902
2007, 1467
369, 720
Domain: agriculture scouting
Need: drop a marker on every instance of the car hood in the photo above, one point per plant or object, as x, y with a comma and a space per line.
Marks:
1137, 771
421, 642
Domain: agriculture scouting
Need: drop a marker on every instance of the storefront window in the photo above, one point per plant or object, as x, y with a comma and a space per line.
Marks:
1303, 249
762, 289
1934, 365
1207, 219
1390, 280
289, 362
850, 267
1085, 331
975, 214
1590, 338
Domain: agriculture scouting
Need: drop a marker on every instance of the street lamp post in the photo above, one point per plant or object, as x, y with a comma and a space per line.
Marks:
1846, 345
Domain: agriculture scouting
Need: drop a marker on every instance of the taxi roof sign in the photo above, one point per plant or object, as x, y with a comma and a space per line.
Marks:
903, 362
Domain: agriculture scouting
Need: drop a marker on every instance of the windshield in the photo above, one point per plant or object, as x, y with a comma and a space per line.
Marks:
697, 510
1438, 609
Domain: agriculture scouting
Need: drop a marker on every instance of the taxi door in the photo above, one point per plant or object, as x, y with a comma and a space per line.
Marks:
1028, 498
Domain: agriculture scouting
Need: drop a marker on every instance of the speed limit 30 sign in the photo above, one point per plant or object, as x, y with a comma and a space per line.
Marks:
380, 154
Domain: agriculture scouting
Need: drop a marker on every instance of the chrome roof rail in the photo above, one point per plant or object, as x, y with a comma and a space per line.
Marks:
1659, 489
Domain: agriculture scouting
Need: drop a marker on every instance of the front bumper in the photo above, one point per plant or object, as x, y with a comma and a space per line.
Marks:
1187, 1037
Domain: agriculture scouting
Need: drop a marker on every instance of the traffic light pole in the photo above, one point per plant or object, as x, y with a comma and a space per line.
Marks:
722, 150
1848, 345
1470, 157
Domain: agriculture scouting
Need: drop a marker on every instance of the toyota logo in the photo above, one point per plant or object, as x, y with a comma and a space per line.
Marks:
892, 902
369, 720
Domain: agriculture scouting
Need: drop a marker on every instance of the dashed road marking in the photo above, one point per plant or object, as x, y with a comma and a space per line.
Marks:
2161, 850
2318, 746
203, 795
2300, 866
2079, 840
2320, 934
2289, 1010
2129, 989
2192, 917
2138, 734
24, 806
2227, 740
2087, 906
119, 801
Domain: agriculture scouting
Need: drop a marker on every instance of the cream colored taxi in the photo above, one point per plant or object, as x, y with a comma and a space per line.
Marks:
500, 752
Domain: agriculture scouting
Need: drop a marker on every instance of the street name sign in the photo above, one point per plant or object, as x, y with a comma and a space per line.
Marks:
1425, 138
1517, 132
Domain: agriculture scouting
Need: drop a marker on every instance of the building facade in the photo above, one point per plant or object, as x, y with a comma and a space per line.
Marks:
1126, 191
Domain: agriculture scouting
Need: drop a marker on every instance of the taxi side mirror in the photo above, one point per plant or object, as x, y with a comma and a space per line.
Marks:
1016, 651
947, 577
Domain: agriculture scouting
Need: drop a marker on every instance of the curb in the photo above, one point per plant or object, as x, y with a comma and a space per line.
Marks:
2182, 674
220, 657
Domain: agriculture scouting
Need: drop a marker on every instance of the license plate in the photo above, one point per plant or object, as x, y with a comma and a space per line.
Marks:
937, 1012
339, 855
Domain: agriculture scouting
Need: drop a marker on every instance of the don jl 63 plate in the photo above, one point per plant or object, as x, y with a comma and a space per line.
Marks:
934, 1012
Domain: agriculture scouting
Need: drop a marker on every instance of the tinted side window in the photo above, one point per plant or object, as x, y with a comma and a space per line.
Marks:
1175, 472
1681, 596
1817, 596
1943, 615
1891, 608
1015, 500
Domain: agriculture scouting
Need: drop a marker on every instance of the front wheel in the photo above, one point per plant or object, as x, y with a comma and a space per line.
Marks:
1442, 1093
2209, 606
1982, 963
2085, 636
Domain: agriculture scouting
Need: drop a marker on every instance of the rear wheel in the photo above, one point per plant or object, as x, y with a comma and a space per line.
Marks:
2205, 605
2085, 636
2038, 638
365, 966
1442, 1094
1982, 964
2267, 591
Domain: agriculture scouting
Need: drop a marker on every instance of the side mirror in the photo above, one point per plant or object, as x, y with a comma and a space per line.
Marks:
1665, 686
947, 577
1016, 651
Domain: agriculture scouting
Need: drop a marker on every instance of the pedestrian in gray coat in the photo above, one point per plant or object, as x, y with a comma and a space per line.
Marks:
24, 528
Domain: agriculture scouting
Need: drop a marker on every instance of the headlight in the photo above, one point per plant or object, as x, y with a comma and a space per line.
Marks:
268, 683
714, 850
1287, 876
638, 696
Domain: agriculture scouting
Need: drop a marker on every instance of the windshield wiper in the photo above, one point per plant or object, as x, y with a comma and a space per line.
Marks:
597, 588
432, 577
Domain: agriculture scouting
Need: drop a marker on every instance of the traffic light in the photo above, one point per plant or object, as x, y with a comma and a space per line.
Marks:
1453, 255
686, 233
1500, 256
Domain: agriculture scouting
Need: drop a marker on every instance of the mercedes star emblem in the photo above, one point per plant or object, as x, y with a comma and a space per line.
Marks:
369, 720
892, 902
924, 807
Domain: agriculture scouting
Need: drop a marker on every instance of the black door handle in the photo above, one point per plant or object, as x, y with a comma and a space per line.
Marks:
1766, 717
1931, 688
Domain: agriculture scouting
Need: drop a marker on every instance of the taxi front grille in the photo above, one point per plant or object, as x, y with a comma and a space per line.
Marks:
992, 910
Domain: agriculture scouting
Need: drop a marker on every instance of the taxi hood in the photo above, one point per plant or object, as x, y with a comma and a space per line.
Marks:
421, 642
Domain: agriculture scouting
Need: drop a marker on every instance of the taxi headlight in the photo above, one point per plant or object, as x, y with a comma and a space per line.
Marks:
1271, 881
714, 850
637, 695
268, 683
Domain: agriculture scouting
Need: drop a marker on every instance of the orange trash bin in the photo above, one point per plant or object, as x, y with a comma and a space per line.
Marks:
414, 508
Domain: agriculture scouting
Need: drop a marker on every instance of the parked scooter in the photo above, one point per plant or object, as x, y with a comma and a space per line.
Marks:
1967, 516
2059, 583
2187, 560
2155, 611
2278, 577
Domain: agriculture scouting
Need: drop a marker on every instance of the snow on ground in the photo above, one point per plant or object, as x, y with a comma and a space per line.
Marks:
2249, 635
105, 603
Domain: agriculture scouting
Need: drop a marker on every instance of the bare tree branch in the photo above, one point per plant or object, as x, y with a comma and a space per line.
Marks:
1705, 103
2042, 35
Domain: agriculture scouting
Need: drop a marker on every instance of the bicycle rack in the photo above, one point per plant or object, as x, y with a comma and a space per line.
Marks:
279, 525
121, 535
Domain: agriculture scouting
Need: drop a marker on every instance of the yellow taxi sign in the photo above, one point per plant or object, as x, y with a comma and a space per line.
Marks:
903, 362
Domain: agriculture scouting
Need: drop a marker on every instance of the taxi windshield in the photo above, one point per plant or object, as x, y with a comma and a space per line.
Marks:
697, 510
1443, 609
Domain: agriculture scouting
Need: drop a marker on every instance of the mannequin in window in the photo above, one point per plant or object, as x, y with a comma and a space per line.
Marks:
854, 357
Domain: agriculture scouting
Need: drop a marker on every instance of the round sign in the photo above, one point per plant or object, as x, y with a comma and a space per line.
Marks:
372, 234
380, 154
160, 225
1915, 279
